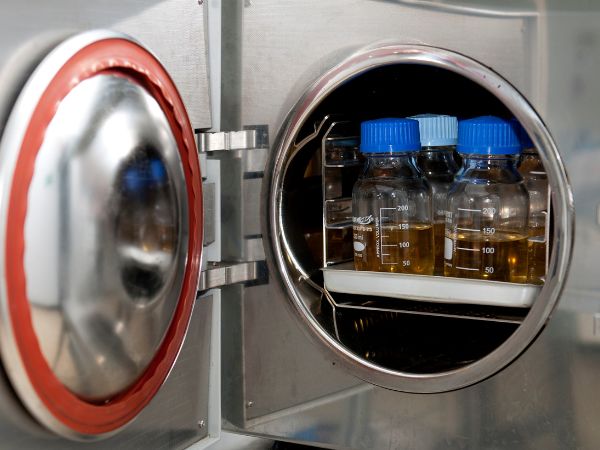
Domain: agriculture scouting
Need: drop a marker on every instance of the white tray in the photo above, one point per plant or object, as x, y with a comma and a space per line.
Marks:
344, 279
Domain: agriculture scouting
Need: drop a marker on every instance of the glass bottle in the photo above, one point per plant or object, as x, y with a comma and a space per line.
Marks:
437, 162
536, 182
488, 205
391, 202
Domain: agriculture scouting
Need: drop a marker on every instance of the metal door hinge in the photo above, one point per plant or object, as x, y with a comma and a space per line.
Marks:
218, 274
242, 156
250, 138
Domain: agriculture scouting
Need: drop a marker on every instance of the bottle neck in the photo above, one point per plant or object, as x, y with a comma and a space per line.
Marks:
437, 162
438, 149
474, 161
488, 169
390, 165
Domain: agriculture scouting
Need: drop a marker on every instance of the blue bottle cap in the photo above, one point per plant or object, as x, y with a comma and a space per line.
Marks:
524, 139
487, 135
437, 130
389, 136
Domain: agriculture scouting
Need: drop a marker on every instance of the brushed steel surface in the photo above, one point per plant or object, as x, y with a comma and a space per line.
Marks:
173, 29
231, 441
209, 201
551, 407
242, 156
285, 45
211, 170
170, 420
107, 205
547, 398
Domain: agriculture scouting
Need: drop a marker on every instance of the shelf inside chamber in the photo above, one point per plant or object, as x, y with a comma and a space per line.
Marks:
343, 278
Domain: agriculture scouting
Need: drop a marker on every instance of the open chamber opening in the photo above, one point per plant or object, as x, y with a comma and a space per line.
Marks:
406, 332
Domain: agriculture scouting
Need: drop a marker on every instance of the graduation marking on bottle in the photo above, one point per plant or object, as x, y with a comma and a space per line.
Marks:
473, 212
382, 219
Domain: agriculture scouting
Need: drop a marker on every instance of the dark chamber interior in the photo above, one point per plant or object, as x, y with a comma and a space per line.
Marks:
416, 343
414, 337
407, 89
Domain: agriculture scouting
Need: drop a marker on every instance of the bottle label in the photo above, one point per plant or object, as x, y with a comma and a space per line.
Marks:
448, 248
359, 247
362, 230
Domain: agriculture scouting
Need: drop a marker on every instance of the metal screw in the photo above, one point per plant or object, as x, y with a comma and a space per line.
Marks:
201, 424
200, 2
250, 404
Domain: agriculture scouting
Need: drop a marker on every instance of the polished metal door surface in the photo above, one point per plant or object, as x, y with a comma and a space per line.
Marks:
102, 226
100, 180
128, 207
279, 381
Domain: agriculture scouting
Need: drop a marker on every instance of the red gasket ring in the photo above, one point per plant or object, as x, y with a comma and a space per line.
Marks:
126, 58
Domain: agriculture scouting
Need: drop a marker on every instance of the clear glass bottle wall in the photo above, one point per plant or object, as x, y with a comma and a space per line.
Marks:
391, 202
488, 205
536, 181
437, 162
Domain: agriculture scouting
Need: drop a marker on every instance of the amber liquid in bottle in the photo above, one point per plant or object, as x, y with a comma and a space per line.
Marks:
499, 257
536, 257
438, 166
439, 233
536, 181
403, 248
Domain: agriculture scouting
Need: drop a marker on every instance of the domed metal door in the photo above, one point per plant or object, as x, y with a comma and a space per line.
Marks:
100, 234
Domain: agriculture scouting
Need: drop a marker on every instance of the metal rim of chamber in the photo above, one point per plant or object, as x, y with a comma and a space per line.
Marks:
48, 400
563, 215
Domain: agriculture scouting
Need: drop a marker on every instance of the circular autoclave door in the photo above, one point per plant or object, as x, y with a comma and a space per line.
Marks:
409, 333
100, 229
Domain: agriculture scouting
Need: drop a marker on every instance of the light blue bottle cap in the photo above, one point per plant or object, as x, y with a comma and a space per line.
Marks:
487, 135
437, 130
389, 136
